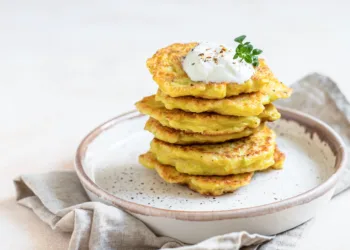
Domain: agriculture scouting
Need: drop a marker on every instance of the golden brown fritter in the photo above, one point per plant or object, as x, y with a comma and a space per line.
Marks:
206, 123
206, 185
251, 104
279, 158
239, 156
181, 137
166, 68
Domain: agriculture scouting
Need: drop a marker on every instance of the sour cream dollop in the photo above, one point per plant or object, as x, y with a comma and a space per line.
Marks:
209, 62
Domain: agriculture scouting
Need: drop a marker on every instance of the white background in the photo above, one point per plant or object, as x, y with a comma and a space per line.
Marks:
67, 66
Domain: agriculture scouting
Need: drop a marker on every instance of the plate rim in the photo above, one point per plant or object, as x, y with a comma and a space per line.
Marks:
313, 124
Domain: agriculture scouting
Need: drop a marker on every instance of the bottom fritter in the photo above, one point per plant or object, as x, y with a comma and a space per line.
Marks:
279, 159
206, 185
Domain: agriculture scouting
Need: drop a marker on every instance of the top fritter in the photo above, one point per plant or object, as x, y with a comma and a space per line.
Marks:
207, 71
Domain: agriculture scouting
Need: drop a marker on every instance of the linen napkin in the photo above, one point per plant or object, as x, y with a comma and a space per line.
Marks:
59, 200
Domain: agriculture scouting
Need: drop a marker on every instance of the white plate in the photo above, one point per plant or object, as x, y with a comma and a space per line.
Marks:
107, 164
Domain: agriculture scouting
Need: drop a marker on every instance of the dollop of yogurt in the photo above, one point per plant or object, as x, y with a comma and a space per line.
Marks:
208, 62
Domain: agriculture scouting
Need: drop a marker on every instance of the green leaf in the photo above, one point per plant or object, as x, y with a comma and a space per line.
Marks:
248, 59
245, 51
240, 39
255, 61
257, 51
239, 48
249, 48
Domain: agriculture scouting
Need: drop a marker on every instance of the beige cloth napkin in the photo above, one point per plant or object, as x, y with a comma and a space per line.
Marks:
59, 200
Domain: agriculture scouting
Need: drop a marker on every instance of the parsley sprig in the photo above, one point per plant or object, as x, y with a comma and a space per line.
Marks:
246, 52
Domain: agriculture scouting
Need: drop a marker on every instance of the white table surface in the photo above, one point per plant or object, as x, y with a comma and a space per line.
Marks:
67, 66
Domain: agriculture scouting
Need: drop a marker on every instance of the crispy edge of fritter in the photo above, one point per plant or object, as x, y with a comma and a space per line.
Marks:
251, 104
209, 159
220, 184
205, 185
166, 68
279, 158
277, 90
175, 136
246, 104
206, 123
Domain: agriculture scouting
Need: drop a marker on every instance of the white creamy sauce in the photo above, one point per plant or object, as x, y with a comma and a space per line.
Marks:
209, 62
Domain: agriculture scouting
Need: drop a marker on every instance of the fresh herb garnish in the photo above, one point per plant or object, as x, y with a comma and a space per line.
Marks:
246, 52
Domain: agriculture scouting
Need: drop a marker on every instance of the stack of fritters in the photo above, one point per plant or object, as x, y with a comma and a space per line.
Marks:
210, 136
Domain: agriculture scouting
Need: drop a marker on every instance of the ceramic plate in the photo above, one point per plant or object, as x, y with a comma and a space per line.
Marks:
107, 164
